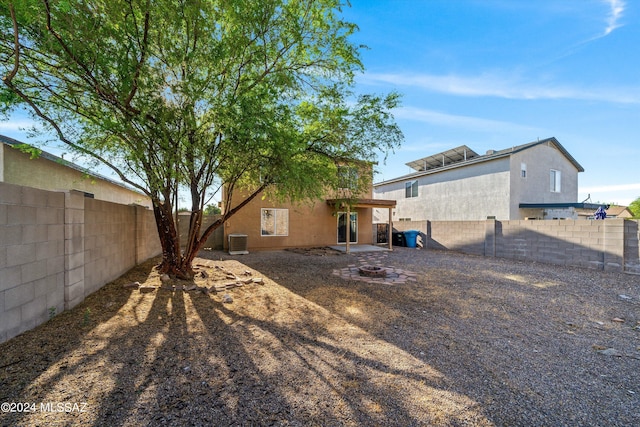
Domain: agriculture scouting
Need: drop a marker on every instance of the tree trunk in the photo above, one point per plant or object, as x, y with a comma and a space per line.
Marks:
172, 261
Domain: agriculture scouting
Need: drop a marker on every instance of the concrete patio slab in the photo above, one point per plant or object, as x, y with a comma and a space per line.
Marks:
360, 248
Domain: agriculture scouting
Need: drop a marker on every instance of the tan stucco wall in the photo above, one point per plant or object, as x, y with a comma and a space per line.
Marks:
19, 169
309, 225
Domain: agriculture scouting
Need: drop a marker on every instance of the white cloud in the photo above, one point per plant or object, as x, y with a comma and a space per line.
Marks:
500, 85
613, 19
16, 125
622, 194
616, 10
611, 188
451, 120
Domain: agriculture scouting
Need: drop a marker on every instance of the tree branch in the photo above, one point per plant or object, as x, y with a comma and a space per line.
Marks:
143, 54
16, 50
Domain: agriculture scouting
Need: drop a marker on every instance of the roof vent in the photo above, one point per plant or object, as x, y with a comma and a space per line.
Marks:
490, 152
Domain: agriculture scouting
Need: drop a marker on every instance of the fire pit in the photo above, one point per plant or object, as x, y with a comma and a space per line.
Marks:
371, 271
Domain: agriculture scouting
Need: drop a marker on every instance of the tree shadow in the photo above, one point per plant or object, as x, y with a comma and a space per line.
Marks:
324, 377
300, 352
468, 318
34, 362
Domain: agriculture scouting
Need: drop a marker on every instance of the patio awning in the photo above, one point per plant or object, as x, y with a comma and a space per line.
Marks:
365, 203
558, 205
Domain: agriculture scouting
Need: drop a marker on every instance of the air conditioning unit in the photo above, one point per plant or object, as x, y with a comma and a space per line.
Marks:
238, 244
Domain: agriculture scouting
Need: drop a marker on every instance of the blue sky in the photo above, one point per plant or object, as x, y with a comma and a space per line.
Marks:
492, 74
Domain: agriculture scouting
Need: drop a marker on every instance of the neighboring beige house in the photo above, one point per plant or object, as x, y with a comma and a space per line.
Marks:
538, 180
275, 225
612, 212
619, 212
49, 172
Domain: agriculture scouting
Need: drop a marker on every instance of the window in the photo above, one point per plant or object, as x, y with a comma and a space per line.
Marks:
554, 181
411, 189
523, 170
348, 177
274, 222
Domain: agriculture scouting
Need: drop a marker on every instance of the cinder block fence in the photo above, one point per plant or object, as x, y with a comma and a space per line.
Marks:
609, 245
56, 248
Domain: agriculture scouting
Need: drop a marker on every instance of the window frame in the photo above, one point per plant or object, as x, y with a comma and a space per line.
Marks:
276, 213
348, 177
411, 189
555, 181
353, 231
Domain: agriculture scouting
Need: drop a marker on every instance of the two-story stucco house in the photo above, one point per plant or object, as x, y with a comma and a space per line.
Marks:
271, 224
538, 180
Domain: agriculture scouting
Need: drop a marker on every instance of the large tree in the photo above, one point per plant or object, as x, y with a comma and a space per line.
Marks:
634, 207
199, 95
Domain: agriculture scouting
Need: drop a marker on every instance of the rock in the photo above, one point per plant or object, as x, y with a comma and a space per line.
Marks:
247, 273
626, 297
611, 352
204, 274
190, 287
132, 285
146, 289
617, 320
258, 280
227, 299
165, 278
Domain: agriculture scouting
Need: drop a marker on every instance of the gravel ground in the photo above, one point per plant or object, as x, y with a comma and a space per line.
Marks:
472, 341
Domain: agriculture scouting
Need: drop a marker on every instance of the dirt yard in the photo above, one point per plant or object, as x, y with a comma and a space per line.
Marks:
452, 340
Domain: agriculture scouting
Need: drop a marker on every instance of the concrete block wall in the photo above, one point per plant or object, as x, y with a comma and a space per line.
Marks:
32, 242
56, 248
215, 241
463, 236
147, 240
110, 240
578, 243
74, 272
631, 246
610, 245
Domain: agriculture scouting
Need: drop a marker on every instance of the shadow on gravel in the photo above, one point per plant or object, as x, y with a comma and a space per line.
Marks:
35, 362
472, 342
525, 342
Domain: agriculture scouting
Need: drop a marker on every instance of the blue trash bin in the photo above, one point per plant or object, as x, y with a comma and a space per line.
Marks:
411, 238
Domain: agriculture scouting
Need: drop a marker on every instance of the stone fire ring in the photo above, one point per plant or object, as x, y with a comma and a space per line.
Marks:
372, 271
